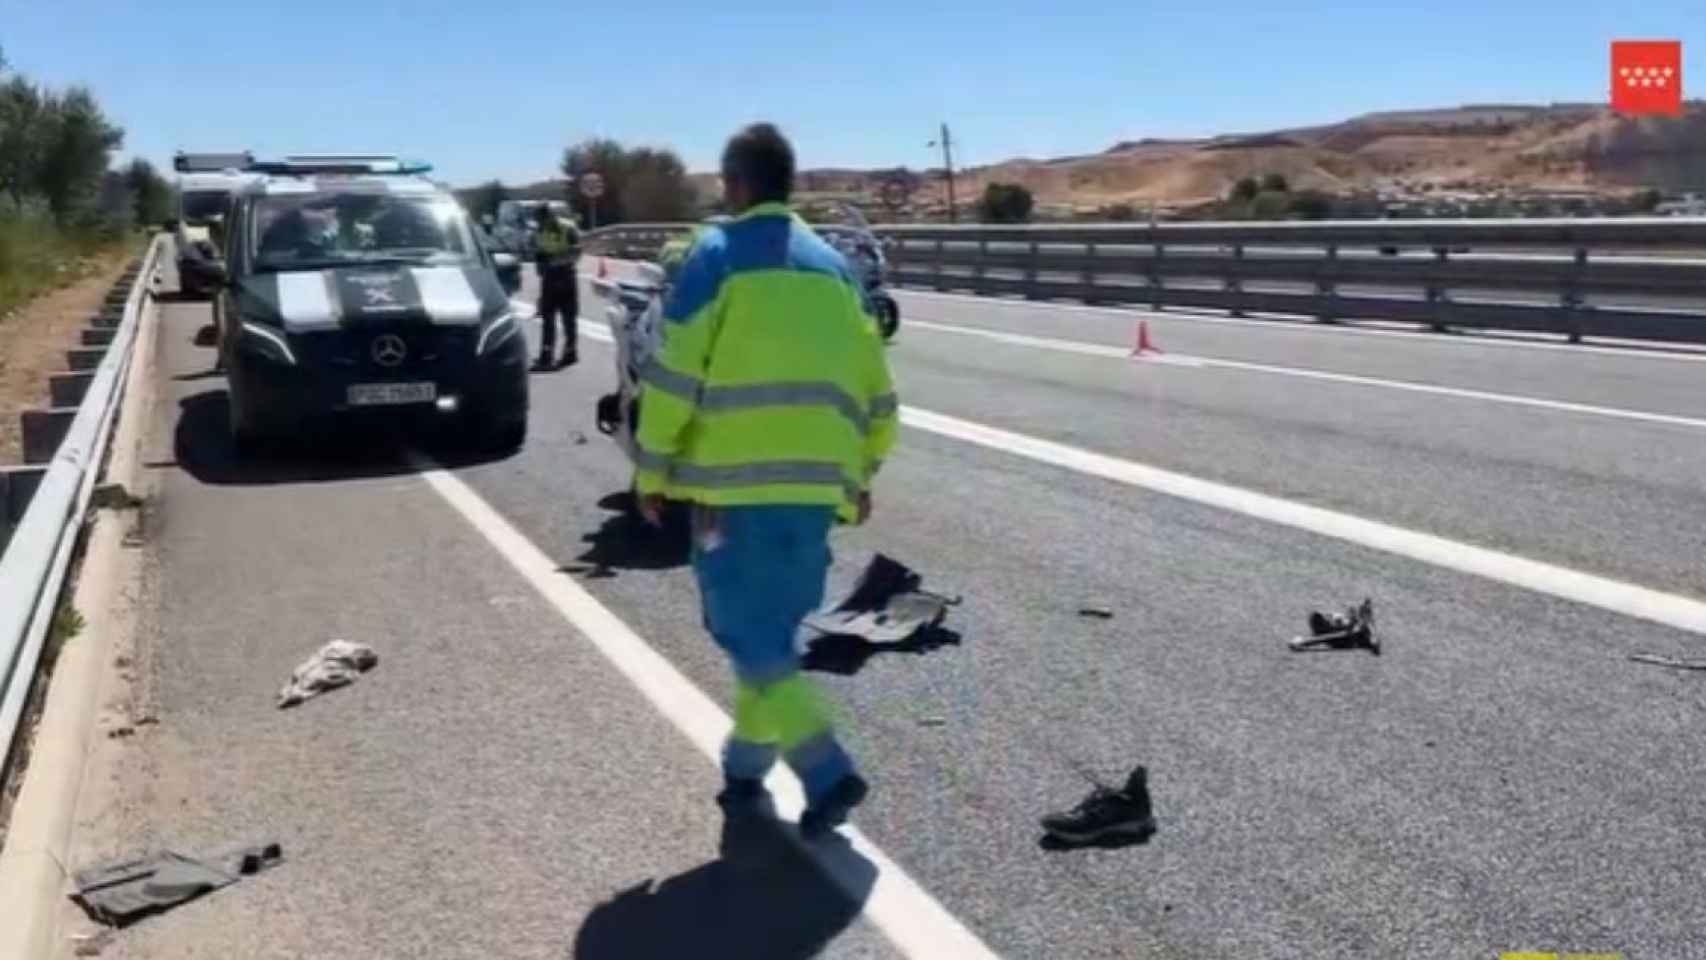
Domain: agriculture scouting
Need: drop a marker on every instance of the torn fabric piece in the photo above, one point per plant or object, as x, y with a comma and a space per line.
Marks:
337, 664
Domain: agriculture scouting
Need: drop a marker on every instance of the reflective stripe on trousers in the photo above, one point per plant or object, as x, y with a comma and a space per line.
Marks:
760, 571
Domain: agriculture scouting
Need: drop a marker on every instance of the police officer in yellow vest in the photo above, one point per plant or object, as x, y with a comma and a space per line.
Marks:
555, 246
769, 408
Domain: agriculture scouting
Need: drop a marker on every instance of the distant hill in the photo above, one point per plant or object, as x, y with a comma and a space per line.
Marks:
1487, 148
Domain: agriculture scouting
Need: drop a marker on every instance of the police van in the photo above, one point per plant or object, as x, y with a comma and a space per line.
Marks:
354, 289
206, 184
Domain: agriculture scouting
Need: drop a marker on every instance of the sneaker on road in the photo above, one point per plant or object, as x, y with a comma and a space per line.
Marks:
1107, 813
832, 810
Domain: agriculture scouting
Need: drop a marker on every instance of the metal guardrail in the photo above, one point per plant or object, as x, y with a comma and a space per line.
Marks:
1419, 268
35, 562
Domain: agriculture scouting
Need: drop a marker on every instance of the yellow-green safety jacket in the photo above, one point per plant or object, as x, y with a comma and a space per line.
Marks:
771, 386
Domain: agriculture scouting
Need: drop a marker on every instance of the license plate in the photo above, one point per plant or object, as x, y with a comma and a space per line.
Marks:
391, 394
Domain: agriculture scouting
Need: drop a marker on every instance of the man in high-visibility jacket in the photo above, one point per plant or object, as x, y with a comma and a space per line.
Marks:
556, 244
769, 408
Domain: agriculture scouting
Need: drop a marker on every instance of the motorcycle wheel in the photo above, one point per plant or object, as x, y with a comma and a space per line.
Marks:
888, 317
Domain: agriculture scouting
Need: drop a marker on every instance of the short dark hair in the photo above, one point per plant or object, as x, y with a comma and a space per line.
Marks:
762, 159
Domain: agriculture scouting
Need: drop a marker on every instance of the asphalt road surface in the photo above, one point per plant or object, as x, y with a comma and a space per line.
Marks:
1502, 778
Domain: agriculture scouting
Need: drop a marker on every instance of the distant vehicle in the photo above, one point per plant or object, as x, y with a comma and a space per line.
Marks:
206, 184
354, 288
517, 221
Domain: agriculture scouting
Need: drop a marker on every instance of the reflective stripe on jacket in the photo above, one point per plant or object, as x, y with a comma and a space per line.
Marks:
772, 385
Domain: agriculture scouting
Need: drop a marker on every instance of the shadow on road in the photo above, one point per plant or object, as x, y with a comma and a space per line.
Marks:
206, 336
626, 542
178, 296
202, 447
847, 655
760, 900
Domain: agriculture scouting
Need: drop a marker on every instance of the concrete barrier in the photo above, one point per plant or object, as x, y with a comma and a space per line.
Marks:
44, 430
68, 389
84, 358
17, 486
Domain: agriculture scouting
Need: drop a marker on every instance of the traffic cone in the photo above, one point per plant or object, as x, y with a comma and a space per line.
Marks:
1144, 347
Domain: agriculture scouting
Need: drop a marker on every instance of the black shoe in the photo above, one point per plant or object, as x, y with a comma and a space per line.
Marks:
569, 360
1107, 813
741, 792
831, 811
543, 365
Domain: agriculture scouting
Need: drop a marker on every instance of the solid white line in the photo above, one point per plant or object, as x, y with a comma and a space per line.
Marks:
1626, 598
914, 921
1638, 350
1670, 609
1179, 359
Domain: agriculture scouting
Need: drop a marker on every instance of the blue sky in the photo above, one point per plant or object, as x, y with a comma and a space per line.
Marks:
499, 88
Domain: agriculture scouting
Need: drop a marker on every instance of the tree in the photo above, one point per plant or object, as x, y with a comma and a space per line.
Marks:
1270, 205
657, 189
78, 140
645, 183
1005, 203
1245, 190
1311, 205
1119, 213
1276, 183
151, 195
22, 135
486, 198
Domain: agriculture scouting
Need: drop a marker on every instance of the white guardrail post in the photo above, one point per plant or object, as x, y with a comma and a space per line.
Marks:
35, 562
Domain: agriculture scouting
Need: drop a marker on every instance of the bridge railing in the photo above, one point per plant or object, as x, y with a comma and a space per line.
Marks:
1630, 278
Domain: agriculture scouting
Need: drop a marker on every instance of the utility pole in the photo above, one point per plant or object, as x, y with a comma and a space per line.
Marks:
947, 144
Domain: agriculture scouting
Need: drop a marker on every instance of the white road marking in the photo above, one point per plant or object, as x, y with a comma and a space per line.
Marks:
1111, 352
914, 921
1639, 350
1675, 610
1671, 609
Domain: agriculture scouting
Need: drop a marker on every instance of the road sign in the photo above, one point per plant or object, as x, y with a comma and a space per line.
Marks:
592, 186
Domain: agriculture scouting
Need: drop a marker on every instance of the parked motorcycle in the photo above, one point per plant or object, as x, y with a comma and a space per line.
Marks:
864, 252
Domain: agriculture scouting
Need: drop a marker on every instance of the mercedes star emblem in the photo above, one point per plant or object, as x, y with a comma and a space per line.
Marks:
389, 350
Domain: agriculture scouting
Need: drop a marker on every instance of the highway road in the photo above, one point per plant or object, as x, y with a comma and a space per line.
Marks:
525, 774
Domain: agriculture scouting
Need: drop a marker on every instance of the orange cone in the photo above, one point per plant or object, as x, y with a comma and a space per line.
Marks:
1144, 347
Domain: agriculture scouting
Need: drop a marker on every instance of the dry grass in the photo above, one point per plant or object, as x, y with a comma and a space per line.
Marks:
35, 336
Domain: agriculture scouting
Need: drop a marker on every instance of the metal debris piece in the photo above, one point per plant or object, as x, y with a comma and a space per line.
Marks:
1099, 613
337, 664
885, 606
1660, 660
932, 721
1351, 630
120, 893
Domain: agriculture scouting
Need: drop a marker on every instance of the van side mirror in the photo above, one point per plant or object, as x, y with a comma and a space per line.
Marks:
508, 268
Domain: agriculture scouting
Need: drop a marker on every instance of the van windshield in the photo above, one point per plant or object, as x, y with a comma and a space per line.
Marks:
200, 206
307, 231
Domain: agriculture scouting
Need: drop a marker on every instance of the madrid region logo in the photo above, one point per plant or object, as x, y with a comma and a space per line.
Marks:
1646, 76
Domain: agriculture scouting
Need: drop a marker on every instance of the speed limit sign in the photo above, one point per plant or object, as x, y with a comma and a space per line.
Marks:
592, 186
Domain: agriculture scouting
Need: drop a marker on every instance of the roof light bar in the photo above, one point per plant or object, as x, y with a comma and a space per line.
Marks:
340, 163
211, 162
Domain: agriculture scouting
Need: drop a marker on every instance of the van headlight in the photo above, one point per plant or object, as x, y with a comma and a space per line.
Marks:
498, 332
264, 341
